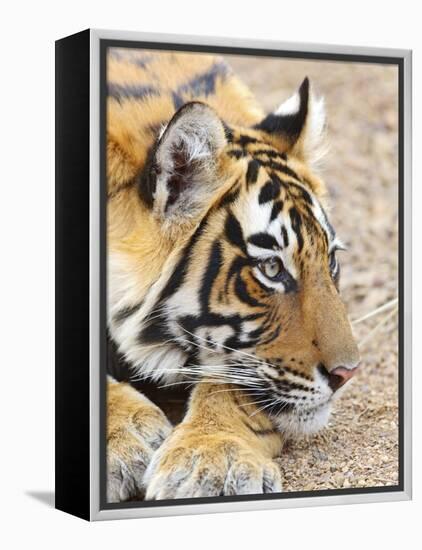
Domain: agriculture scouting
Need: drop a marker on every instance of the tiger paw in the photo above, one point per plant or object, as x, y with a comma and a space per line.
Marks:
190, 465
135, 429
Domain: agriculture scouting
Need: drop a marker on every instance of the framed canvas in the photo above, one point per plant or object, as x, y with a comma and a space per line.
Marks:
209, 354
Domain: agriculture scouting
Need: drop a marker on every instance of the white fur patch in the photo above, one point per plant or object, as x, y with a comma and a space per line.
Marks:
290, 106
314, 144
294, 425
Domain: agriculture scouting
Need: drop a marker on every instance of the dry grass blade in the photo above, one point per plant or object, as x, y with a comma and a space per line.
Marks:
371, 333
384, 307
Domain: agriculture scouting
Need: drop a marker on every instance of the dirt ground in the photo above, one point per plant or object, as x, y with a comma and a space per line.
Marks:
359, 448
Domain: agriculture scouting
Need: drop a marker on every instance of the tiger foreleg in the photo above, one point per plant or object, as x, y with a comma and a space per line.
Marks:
224, 446
135, 429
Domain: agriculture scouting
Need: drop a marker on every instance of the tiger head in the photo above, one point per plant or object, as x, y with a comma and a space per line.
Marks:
249, 293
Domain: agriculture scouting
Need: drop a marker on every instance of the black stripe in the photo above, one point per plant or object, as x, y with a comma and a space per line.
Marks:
297, 373
244, 140
147, 179
228, 132
234, 232
269, 192
311, 227
142, 61
300, 189
303, 192
230, 197
275, 333
262, 432
286, 385
252, 172
235, 343
200, 85
277, 208
296, 226
178, 100
242, 293
285, 236
178, 276
130, 91
262, 286
270, 153
257, 333
237, 153
204, 84
235, 267
264, 240
278, 167
155, 332
211, 272
209, 319
285, 170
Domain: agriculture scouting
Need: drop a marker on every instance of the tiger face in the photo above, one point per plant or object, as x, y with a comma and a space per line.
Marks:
249, 293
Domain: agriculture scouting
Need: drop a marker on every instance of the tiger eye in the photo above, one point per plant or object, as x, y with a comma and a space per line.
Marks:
272, 268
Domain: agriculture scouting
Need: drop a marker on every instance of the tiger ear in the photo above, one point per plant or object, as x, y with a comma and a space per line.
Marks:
185, 163
301, 122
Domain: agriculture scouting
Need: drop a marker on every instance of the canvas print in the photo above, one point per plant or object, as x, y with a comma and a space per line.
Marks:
252, 275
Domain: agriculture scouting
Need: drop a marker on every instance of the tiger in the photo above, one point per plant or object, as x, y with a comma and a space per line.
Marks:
222, 274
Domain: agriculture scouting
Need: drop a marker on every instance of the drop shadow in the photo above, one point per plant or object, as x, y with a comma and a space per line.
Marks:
45, 497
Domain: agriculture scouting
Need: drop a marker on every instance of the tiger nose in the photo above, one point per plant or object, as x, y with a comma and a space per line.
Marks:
339, 376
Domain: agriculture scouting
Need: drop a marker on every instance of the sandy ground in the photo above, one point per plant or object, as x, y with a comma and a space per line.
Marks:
359, 448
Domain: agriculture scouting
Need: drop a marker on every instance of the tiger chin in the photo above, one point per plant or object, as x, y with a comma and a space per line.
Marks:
222, 274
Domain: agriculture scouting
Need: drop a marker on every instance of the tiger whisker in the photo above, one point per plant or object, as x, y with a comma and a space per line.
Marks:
156, 312
233, 368
234, 378
272, 403
202, 381
226, 377
184, 382
222, 345
231, 371
231, 390
253, 361
152, 346
256, 402
199, 372
149, 318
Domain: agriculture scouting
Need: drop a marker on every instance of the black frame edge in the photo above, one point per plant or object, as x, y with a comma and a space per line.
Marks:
72, 429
